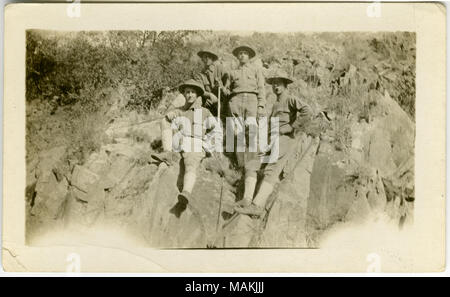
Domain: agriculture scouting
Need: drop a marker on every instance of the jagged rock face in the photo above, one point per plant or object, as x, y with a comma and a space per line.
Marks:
328, 196
338, 195
117, 188
387, 141
153, 219
47, 189
141, 198
285, 224
122, 186
372, 177
389, 149
113, 188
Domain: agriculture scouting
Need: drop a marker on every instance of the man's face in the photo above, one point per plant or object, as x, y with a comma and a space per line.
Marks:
278, 86
190, 94
243, 56
207, 60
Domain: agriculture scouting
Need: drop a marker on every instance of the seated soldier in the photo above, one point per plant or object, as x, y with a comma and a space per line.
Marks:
191, 132
286, 109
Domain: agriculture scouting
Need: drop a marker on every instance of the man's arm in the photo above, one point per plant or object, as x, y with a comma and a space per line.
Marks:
299, 106
222, 74
198, 77
311, 124
261, 88
211, 99
172, 114
226, 81
175, 109
212, 140
201, 78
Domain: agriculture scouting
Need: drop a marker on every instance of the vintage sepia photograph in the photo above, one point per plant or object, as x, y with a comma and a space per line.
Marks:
290, 137
101, 111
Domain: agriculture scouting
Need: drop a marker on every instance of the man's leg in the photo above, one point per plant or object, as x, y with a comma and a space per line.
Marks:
168, 156
191, 162
237, 113
251, 161
271, 176
249, 190
166, 135
238, 110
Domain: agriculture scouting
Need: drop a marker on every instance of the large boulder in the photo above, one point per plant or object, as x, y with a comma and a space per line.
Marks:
387, 140
122, 186
141, 198
49, 188
105, 174
144, 130
286, 222
154, 217
375, 175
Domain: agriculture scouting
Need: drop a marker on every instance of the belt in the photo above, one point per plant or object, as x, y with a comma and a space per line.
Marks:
243, 93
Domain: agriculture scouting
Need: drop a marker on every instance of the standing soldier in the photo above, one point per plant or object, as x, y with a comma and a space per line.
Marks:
245, 86
286, 109
191, 134
212, 78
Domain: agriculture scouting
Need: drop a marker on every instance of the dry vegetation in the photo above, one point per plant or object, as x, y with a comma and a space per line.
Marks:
70, 76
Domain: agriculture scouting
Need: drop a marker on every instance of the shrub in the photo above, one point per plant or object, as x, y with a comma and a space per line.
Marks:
70, 74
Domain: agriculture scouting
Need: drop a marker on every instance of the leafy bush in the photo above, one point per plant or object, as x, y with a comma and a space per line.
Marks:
70, 75
78, 127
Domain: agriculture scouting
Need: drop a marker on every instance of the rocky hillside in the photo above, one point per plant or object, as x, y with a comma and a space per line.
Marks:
121, 185
89, 143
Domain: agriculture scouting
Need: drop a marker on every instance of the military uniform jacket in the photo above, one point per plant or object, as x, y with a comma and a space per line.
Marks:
212, 78
247, 79
287, 107
187, 111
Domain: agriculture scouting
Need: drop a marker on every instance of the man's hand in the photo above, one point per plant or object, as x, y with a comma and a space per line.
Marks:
211, 99
261, 112
224, 91
171, 115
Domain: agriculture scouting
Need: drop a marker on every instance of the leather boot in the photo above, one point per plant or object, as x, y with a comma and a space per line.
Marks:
257, 208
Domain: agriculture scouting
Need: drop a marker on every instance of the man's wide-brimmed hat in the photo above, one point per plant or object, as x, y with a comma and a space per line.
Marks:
208, 53
251, 52
193, 84
279, 75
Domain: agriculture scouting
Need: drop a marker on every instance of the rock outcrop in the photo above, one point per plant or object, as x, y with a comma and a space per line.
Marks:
284, 225
365, 180
121, 185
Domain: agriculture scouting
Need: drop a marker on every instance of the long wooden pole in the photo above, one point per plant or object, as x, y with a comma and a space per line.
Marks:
218, 106
222, 173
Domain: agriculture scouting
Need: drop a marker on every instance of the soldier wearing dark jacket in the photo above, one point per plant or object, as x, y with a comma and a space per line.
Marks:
212, 78
287, 108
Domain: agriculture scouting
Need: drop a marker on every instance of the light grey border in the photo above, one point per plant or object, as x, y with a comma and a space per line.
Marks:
15, 274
